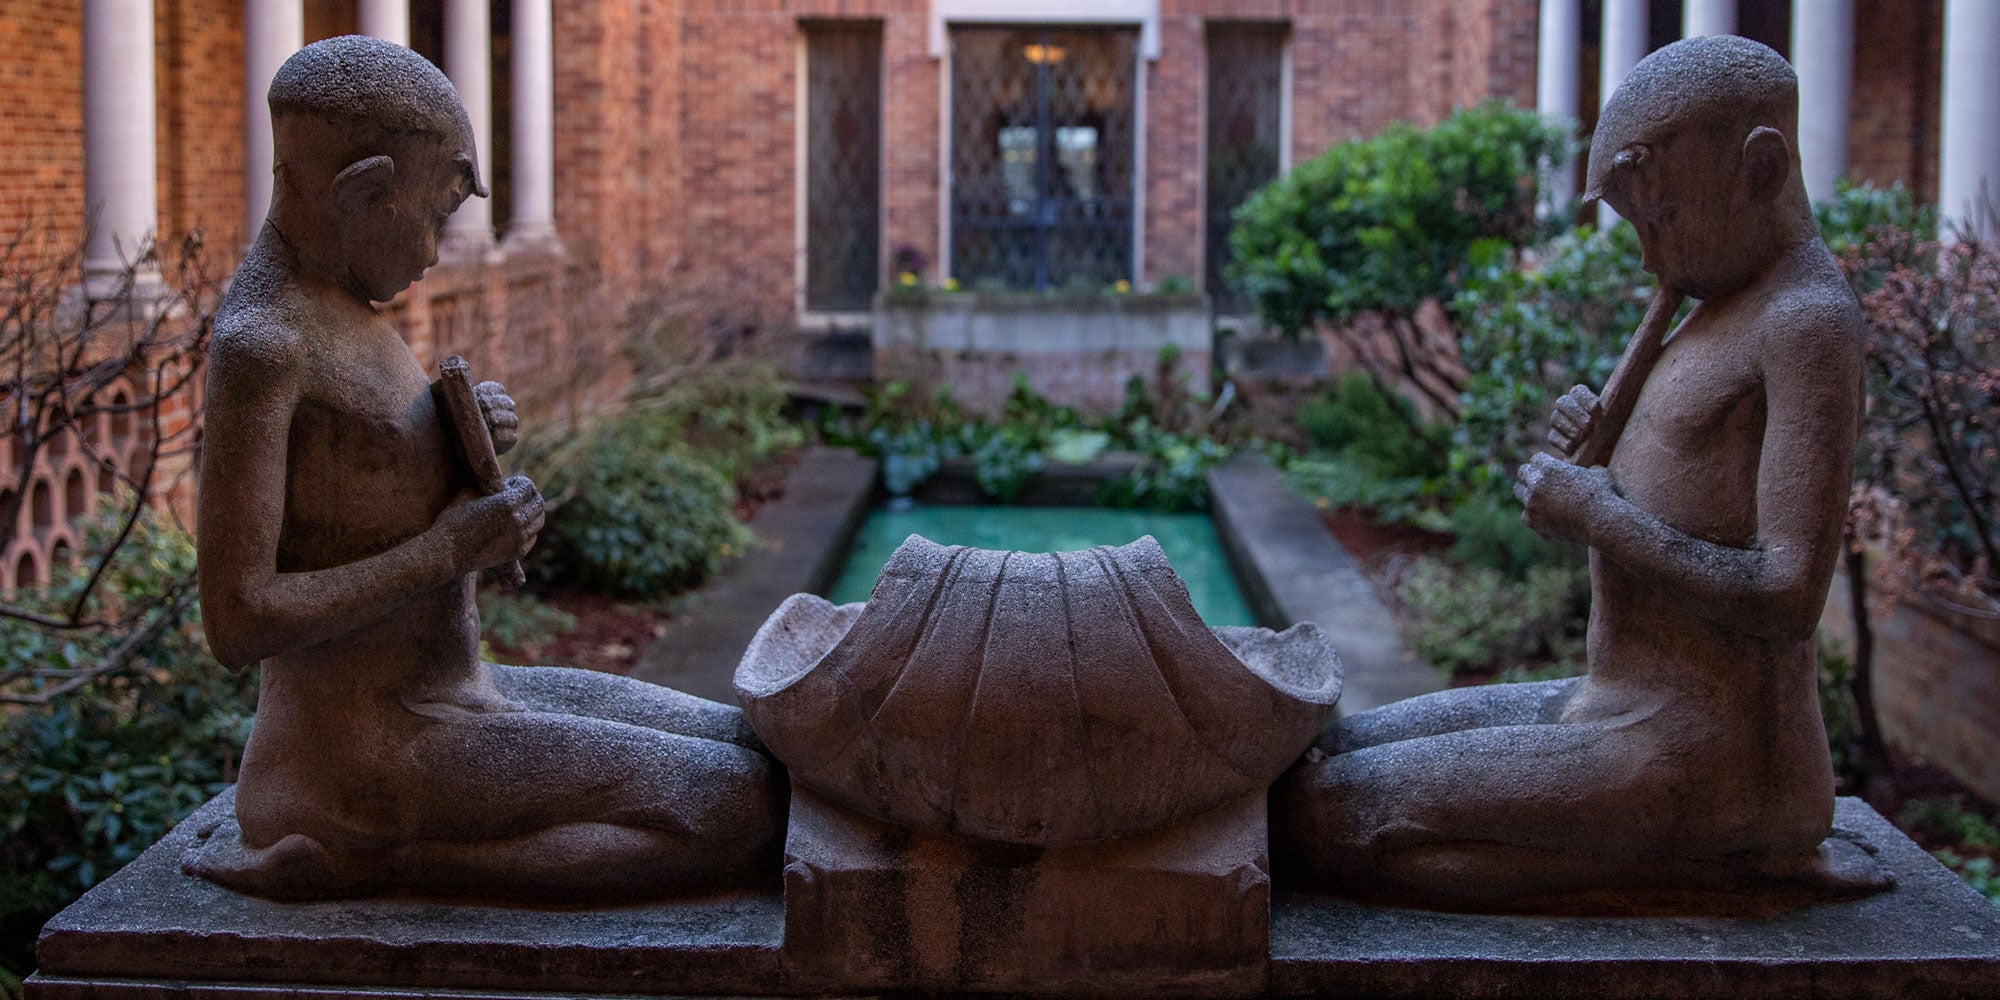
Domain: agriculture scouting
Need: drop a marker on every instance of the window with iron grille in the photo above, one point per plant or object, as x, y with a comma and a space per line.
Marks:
843, 165
1246, 66
1041, 155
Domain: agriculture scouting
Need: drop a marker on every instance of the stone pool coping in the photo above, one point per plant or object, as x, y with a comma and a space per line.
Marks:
152, 932
804, 536
1292, 570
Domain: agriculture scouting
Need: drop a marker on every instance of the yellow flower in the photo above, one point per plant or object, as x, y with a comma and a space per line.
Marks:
908, 278
951, 284
1122, 286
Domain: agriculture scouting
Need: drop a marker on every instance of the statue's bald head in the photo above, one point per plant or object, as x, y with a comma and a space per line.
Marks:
1722, 84
355, 96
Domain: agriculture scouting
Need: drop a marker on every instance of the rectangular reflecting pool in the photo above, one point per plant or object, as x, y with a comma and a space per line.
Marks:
1188, 539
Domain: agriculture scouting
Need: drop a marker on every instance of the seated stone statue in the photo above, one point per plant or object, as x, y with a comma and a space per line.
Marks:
339, 548
1692, 755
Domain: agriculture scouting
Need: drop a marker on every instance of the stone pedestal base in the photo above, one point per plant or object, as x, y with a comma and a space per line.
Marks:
1185, 912
152, 933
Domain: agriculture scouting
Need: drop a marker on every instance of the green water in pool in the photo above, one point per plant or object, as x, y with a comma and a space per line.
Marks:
1188, 539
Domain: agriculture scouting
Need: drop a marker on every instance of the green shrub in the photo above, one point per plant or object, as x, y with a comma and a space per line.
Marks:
1464, 619
1379, 431
913, 436
1370, 450
102, 771
1842, 716
1978, 872
520, 620
1529, 333
1172, 473
1972, 838
1383, 223
1856, 210
1948, 821
1004, 458
729, 414
641, 519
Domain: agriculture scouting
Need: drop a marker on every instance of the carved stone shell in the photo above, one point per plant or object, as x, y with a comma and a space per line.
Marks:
1044, 699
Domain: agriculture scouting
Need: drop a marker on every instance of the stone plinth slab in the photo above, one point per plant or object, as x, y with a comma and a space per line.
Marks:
1931, 937
151, 933
151, 922
1184, 912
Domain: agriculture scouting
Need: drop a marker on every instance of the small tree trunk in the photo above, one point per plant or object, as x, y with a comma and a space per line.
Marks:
1878, 777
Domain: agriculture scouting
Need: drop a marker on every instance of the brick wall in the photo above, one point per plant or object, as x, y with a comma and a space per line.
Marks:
41, 116
1176, 87
1893, 119
199, 88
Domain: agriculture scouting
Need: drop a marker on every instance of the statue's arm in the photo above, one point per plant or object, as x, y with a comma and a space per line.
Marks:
251, 611
1812, 383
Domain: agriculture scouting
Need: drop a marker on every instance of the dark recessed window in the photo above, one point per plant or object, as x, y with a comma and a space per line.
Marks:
843, 165
1246, 79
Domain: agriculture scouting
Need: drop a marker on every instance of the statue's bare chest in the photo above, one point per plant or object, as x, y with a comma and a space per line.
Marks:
1690, 453
368, 466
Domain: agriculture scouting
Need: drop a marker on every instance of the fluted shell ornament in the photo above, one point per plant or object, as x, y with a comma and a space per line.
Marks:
1025, 698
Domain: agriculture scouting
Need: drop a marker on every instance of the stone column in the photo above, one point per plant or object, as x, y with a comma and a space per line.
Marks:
468, 61
1969, 149
1558, 72
120, 196
1708, 17
388, 20
1823, 55
533, 153
272, 31
1624, 44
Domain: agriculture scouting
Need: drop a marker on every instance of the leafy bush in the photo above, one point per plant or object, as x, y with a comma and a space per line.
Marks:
1466, 619
1856, 210
518, 621
1842, 716
1948, 821
1978, 872
1971, 840
729, 414
99, 771
1529, 333
1370, 450
1930, 450
914, 436
1003, 459
643, 518
1376, 430
1172, 473
1383, 223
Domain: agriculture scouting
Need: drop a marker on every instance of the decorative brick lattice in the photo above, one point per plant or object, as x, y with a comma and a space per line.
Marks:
64, 483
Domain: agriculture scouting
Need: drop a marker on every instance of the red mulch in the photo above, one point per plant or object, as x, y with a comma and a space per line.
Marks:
1367, 539
609, 634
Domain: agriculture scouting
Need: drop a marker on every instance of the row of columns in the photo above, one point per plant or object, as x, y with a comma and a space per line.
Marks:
121, 201
1823, 55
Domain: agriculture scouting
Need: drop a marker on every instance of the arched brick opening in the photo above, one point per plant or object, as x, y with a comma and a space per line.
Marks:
76, 496
42, 502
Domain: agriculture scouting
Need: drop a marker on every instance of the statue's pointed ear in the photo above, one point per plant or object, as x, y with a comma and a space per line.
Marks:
1767, 162
364, 182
